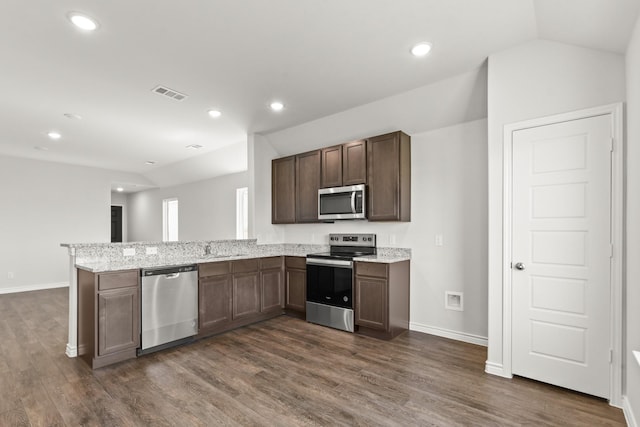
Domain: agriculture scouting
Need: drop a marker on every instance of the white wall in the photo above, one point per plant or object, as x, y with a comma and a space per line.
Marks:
260, 154
632, 374
120, 199
45, 204
449, 193
536, 79
458, 99
206, 209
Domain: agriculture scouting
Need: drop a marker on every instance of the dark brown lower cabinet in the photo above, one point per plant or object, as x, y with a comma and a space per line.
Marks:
246, 288
295, 284
237, 293
108, 316
271, 284
382, 298
214, 300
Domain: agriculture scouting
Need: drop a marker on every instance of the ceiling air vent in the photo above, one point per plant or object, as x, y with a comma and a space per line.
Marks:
170, 93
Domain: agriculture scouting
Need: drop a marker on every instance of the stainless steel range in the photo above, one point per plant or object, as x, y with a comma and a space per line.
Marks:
330, 280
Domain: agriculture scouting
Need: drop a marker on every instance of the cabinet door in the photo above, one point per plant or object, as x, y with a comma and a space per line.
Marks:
389, 177
214, 301
296, 289
118, 320
307, 185
354, 163
331, 167
246, 295
283, 190
372, 303
272, 284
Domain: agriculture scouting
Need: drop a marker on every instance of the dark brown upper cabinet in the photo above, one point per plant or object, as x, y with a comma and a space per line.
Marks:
331, 167
389, 177
344, 164
354, 163
308, 167
283, 190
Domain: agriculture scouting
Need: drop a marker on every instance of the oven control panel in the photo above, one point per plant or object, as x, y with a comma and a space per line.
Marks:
368, 240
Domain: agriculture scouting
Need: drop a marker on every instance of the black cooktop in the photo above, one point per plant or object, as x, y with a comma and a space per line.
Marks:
346, 255
348, 246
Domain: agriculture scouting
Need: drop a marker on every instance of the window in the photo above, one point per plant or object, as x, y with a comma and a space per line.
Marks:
242, 213
169, 220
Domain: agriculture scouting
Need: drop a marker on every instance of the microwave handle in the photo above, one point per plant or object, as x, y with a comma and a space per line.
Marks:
353, 202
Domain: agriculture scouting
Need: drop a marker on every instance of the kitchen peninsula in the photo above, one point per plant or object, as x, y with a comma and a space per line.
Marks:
266, 280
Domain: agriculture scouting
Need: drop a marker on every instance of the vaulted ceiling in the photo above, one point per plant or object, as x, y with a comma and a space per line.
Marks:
316, 57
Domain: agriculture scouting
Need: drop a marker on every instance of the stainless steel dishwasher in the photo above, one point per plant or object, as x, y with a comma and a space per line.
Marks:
169, 306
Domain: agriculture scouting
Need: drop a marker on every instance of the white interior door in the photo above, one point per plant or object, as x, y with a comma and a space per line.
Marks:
561, 235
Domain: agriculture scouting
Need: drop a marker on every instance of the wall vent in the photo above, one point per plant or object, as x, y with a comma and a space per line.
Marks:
170, 93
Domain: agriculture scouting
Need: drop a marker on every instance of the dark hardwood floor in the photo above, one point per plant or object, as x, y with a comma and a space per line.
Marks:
280, 372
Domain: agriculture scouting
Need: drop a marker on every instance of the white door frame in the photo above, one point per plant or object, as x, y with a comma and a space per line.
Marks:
617, 230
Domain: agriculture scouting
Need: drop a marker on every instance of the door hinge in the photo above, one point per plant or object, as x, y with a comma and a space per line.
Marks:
611, 144
610, 355
610, 251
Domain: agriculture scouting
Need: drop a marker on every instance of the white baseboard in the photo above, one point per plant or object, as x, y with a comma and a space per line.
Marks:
446, 333
496, 369
628, 413
71, 351
37, 287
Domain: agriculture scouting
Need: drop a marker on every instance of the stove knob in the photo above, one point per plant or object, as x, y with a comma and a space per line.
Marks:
345, 299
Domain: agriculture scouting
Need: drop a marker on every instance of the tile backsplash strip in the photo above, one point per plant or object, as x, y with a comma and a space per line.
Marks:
394, 252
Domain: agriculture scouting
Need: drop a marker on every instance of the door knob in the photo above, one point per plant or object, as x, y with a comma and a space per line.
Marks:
519, 266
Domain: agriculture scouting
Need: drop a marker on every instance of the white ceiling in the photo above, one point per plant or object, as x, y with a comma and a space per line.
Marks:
318, 57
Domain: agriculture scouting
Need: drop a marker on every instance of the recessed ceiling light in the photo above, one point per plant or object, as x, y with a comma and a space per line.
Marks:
73, 116
215, 113
119, 189
277, 106
421, 49
54, 135
150, 162
83, 21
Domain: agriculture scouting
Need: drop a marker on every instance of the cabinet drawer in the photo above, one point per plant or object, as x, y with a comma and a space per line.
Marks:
271, 262
372, 269
118, 279
245, 265
214, 268
296, 262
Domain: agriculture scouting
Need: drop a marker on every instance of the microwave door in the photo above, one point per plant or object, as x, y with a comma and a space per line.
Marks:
337, 203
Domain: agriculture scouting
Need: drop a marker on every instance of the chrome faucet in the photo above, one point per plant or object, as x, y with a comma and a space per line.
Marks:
207, 249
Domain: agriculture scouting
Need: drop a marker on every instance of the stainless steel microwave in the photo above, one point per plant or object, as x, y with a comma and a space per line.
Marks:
342, 202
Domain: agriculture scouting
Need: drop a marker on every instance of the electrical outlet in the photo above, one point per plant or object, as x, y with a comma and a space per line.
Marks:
439, 240
392, 239
10, 275
128, 252
152, 250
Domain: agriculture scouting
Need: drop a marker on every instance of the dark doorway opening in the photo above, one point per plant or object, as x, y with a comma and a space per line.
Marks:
116, 224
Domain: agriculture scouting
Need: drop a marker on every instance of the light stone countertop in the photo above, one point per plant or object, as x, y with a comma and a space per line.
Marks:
104, 264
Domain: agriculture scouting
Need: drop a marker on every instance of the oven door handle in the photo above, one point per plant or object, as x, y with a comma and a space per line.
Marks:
330, 262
